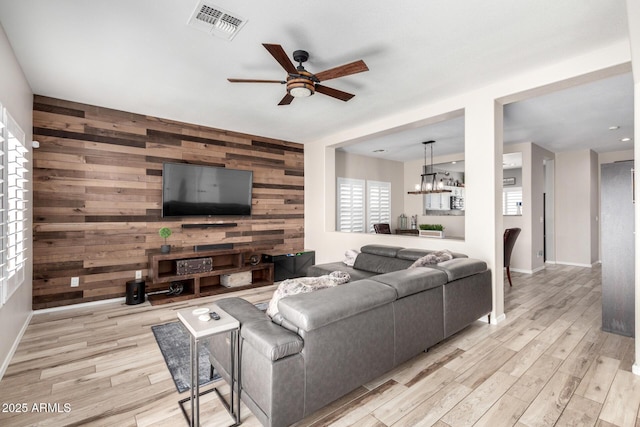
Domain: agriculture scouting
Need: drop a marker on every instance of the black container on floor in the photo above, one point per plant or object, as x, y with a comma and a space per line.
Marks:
135, 292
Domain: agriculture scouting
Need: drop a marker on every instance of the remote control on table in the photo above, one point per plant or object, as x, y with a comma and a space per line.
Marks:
214, 315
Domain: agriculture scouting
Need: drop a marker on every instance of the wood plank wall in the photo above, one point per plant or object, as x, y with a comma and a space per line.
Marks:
97, 195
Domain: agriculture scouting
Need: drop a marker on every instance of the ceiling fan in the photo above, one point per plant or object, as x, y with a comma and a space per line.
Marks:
300, 82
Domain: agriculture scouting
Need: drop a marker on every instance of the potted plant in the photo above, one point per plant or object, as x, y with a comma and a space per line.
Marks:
165, 232
431, 230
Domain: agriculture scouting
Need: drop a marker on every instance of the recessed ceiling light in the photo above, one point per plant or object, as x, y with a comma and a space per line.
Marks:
381, 150
625, 139
453, 163
614, 127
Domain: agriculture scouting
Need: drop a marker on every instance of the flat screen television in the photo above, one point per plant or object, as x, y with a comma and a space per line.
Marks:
197, 190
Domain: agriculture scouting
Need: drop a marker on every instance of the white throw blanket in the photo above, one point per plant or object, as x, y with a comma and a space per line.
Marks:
302, 285
432, 258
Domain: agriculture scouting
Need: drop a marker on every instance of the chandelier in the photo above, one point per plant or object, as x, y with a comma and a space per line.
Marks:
428, 182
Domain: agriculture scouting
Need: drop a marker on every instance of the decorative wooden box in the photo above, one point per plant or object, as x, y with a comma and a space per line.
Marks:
194, 265
432, 233
236, 279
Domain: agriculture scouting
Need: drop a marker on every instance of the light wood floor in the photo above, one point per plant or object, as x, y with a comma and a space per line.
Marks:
547, 364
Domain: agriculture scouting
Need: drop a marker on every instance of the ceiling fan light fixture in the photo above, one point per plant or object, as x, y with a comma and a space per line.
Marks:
300, 86
301, 83
300, 91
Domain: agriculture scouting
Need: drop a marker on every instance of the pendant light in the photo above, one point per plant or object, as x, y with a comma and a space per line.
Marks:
428, 183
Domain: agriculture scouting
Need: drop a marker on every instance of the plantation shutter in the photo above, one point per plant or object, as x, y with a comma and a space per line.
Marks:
378, 203
350, 205
3, 252
13, 193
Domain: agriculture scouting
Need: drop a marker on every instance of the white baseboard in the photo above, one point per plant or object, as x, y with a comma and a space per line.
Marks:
576, 264
635, 368
81, 305
14, 347
498, 319
521, 270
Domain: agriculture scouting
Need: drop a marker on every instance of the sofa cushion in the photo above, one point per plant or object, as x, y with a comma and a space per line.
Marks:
414, 254
380, 264
408, 282
461, 267
382, 250
317, 309
304, 285
322, 269
271, 340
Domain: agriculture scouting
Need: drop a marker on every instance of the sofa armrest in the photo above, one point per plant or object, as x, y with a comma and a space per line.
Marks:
271, 340
242, 310
459, 268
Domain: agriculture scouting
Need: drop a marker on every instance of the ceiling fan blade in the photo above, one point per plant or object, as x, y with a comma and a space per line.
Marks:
286, 100
335, 93
281, 56
343, 70
255, 81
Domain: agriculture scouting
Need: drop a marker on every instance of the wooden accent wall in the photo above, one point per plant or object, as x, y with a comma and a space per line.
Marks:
97, 195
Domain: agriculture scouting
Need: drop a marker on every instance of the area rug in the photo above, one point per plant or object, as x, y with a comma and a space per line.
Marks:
173, 340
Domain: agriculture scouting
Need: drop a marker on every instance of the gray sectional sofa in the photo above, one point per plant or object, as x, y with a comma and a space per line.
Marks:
326, 343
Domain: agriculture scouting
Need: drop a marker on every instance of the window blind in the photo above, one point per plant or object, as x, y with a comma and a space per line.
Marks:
378, 203
13, 197
350, 205
510, 200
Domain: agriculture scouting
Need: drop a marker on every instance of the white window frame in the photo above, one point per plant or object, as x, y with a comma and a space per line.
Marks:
510, 199
378, 204
13, 216
350, 205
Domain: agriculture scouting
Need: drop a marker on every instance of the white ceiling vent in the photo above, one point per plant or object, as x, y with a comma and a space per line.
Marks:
215, 20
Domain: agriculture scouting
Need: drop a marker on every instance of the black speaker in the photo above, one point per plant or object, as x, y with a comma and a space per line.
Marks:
213, 246
135, 292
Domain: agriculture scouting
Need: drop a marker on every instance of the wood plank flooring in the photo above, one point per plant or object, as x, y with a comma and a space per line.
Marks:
547, 364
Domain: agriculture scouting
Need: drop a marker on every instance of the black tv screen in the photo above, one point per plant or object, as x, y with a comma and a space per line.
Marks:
195, 190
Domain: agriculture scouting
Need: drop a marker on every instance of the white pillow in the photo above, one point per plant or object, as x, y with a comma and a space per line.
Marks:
350, 257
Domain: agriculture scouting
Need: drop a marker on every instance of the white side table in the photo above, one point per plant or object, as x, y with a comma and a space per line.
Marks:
198, 330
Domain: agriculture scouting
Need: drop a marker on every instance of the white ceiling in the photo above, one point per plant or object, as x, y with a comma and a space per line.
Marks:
140, 56
577, 118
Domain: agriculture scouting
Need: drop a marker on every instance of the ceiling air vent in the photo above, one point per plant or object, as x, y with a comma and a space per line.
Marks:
215, 20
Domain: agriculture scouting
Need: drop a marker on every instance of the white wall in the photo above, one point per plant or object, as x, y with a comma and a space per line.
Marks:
594, 207
576, 214
522, 251
550, 208
633, 18
370, 168
483, 161
530, 241
16, 96
538, 157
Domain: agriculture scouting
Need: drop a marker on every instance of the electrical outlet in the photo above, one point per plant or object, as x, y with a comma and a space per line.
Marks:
75, 282
138, 274
540, 253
